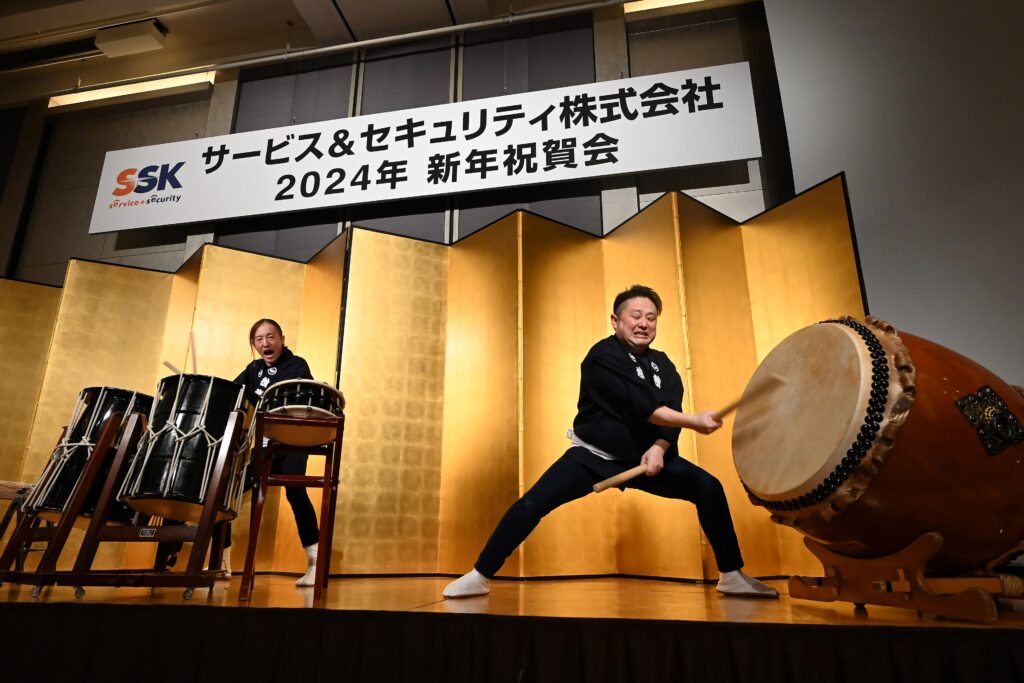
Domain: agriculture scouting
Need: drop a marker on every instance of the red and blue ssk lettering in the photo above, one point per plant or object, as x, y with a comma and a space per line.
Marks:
151, 179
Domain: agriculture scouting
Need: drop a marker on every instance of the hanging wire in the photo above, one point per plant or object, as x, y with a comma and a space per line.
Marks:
504, 68
295, 82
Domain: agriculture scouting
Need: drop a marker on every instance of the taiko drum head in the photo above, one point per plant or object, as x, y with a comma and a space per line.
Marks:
789, 440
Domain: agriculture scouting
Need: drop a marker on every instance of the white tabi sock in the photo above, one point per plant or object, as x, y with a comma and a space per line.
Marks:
225, 563
740, 585
309, 578
468, 585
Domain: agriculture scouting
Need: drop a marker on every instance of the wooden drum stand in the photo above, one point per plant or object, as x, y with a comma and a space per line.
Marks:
208, 530
328, 483
899, 580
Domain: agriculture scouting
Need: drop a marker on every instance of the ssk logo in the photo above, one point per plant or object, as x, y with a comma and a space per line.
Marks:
148, 179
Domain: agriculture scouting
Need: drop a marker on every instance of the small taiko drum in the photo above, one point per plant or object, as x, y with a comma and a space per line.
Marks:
304, 398
59, 480
877, 437
171, 471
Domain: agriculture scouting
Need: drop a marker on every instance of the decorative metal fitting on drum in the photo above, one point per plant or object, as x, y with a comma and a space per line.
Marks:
998, 428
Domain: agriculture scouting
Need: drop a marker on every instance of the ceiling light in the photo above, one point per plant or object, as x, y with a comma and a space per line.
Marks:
131, 89
642, 5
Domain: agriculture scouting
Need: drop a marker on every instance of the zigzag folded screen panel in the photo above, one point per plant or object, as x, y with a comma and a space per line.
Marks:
460, 366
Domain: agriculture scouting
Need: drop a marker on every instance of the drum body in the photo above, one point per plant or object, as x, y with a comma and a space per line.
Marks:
172, 468
876, 438
67, 464
302, 398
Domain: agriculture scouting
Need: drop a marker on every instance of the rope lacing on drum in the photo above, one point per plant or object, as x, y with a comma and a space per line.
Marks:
151, 439
865, 437
132, 481
62, 453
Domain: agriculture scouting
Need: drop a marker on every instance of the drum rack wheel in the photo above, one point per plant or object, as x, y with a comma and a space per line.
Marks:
36, 591
187, 594
79, 592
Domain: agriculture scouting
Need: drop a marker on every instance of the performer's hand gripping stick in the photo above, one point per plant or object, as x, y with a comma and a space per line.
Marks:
769, 382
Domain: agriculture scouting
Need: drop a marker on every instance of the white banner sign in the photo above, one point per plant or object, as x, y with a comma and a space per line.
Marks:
639, 124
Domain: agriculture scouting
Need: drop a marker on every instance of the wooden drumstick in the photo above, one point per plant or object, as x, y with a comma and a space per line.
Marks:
621, 478
732, 405
173, 369
769, 382
192, 349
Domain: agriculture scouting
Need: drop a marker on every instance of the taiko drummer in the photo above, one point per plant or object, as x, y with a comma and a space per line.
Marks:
276, 363
629, 412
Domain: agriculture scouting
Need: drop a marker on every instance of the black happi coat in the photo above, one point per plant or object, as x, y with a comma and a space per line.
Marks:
615, 401
257, 375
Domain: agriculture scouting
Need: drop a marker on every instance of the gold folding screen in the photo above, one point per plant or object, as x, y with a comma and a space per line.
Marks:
28, 313
392, 373
801, 265
460, 366
562, 309
481, 456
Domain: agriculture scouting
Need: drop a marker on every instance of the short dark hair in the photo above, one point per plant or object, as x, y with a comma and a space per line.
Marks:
263, 321
632, 293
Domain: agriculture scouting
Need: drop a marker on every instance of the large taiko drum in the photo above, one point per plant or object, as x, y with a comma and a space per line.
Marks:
59, 480
877, 437
172, 469
304, 398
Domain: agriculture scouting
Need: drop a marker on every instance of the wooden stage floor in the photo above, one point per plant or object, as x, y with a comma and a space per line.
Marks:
400, 630
605, 598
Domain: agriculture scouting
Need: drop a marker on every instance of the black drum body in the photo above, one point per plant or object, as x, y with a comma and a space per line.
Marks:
173, 465
321, 399
95, 407
302, 398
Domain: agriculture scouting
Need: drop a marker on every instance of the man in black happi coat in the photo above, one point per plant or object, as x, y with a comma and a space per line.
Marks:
277, 363
629, 411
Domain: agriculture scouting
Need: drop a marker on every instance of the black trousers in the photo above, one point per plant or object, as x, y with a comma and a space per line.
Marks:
302, 506
570, 478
